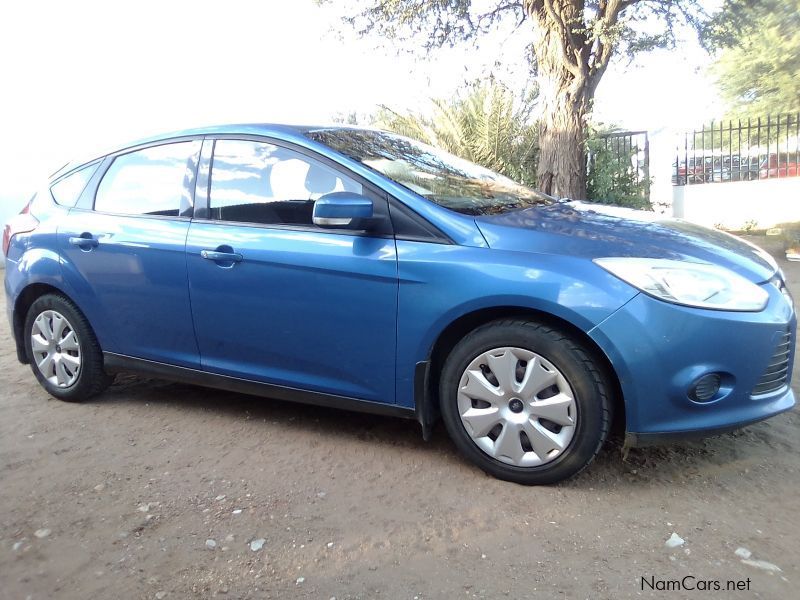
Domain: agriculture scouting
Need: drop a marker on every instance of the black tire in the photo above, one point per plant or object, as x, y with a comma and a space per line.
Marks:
586, 378
92, 378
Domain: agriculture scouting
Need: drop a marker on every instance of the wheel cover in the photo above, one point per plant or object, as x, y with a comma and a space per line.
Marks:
517, 407
56, 350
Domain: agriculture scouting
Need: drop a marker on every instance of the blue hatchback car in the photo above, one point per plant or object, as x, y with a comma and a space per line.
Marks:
360, 269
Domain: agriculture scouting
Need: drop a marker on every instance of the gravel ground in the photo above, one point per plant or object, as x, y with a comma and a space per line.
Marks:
157, 490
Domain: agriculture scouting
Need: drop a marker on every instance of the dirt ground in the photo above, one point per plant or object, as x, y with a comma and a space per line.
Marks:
157, 490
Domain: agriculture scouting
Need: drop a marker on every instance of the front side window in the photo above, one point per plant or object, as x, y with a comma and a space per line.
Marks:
257, 182
437, 175
151, 181
67, 190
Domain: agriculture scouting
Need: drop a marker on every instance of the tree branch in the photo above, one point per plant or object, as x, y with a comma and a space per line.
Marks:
566, 40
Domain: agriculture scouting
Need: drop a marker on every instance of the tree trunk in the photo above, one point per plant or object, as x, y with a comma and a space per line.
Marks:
561, 171
565, 93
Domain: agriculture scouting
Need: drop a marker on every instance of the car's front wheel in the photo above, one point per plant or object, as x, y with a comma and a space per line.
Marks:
525, 402
63, 350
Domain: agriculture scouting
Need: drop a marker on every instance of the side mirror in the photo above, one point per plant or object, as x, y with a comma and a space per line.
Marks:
345, 210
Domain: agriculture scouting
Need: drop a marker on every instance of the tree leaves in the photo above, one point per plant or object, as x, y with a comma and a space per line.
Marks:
757, 69
486, 123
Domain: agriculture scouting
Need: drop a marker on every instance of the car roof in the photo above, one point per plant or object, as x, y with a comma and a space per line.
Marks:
269, 129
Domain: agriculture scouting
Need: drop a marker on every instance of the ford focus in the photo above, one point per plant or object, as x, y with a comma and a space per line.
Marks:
359, 269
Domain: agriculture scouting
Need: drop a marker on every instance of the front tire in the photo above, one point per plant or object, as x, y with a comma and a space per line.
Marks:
63, 350
525, 402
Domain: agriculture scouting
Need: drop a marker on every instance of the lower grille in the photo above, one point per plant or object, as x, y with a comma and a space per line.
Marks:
774, 377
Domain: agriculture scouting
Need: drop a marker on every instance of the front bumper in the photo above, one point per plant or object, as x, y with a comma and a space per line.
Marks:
659, 350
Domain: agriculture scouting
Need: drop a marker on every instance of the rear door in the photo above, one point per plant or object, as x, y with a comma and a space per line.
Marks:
124, 252
296, 305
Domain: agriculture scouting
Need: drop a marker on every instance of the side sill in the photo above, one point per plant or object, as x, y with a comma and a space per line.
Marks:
118, 362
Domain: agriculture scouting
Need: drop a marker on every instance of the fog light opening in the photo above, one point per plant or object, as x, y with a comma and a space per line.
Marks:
705, 388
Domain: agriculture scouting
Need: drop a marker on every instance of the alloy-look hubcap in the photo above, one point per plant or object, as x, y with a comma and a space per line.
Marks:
517, 406
56, 350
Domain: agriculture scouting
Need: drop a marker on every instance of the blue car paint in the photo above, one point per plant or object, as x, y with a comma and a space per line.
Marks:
303, 309
140, 261
592, 231
440, 283
537, 259
674, 345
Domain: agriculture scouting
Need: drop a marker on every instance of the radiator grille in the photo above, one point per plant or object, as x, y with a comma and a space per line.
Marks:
774, 377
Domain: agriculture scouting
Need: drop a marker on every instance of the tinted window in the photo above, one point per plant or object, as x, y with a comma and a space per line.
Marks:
151, 181
67, 190
441, 177
256, 182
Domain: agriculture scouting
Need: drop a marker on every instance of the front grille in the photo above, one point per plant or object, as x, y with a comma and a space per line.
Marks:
774, 377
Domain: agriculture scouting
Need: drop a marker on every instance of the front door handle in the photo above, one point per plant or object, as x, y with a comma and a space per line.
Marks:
230, 257
85, 241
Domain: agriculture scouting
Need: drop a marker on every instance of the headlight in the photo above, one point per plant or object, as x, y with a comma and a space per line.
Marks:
691, 284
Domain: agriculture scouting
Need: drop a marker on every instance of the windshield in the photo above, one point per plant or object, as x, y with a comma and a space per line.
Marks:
445, 179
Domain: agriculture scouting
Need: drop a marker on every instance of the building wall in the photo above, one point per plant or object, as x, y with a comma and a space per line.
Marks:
739, 204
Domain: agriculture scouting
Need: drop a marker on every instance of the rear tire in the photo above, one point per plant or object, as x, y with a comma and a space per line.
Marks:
63, 350
541, 418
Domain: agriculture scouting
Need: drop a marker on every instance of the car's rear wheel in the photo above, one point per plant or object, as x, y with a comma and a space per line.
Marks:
63, 350
525, 402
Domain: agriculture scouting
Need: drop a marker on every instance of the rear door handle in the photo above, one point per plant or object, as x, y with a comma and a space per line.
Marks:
221, 256
85, 241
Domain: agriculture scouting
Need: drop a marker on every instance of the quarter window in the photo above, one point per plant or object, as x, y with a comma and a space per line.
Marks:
67, 190
151, 181
256, 182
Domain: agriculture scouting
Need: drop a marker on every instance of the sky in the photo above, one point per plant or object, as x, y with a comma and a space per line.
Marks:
80, 75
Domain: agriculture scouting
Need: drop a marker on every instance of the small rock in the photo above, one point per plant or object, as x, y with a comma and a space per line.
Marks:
222, 590
238, 511
41, 533
99, 487
229, 537
321, 494
674, 541
763, 565
330, 544
483, 556
18, 545
220, 497
211, 544
743, 553
160, 595
258, 544
299, 580
143, 507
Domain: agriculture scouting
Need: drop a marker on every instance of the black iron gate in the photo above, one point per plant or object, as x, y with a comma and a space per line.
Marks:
762, 148
630, 151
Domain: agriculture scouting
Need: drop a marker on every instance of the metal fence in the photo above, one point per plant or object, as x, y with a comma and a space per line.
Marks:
763, 148
631, 154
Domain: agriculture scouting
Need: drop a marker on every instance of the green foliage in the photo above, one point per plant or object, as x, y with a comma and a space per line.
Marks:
758, 66
612, 178
485, 123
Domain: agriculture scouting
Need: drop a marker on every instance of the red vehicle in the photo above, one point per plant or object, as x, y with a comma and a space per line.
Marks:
778, 166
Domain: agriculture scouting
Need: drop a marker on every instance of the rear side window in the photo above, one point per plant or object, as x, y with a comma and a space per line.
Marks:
256, 182
67, 190
151, 181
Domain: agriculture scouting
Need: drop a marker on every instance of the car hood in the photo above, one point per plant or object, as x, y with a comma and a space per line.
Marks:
594, 230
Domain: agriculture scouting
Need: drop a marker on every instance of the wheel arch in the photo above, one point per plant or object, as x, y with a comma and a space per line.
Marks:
427, 374
22, 304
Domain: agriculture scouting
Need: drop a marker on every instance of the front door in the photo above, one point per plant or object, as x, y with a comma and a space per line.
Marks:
278, 300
